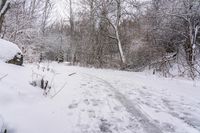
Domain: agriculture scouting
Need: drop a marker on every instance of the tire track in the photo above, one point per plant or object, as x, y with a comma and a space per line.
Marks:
135, 111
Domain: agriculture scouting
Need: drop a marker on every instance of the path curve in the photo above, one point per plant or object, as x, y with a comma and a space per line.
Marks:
135, 111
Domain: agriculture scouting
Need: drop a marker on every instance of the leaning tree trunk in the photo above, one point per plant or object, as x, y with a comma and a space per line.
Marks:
4, 6
123, 59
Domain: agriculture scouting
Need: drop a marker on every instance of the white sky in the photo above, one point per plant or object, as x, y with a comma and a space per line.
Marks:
60, 13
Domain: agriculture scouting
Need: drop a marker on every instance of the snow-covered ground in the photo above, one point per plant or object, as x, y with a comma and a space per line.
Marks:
83, 100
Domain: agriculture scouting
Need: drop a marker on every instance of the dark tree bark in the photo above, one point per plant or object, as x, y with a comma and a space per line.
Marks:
5, 5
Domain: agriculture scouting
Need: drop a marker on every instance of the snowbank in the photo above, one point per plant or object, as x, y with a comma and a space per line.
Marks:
8, 50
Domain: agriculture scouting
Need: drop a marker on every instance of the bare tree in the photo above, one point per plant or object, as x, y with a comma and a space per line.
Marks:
174, 27
45, 15
73, 45
4, 6
117, 11
115, 24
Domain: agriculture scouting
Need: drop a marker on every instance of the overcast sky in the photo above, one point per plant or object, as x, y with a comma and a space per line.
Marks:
60, 11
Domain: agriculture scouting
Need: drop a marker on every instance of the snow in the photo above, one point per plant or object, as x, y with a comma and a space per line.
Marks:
84, 100
8, 50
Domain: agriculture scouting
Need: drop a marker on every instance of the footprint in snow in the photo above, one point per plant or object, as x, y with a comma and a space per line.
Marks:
118, 108
105, 126
110, 95
83, 84
95, 102
186, 113
73, 106
143, 87
168, 127
91, 114
86, 101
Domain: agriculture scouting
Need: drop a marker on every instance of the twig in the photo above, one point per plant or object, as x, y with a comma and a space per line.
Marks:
59, 90
71, 74
3, 77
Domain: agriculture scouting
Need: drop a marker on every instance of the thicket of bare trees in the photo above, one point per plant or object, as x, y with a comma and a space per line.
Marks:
174, 26
126, 34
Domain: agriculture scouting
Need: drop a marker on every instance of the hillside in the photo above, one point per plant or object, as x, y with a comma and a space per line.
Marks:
94, 101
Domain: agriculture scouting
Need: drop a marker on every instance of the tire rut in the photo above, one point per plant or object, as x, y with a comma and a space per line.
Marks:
147, 124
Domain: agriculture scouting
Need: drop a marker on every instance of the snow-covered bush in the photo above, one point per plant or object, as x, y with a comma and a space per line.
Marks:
42, 76
10, 53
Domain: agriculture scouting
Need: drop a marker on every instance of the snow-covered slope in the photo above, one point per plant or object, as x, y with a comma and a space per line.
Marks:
8, 50
85, 100
15, 94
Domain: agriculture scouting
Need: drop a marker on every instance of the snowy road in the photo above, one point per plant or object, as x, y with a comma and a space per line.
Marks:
171, 105
98, 101
132, 108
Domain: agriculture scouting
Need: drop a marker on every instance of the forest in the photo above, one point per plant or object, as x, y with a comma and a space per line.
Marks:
99, 66
133, 35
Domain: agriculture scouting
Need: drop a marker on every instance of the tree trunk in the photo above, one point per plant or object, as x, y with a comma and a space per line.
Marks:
45, 16
4, 6
71, 19
73, 45
191, 49
123, 59
33, 6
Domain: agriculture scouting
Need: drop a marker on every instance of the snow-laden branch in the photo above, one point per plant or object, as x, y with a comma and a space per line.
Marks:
3, 77
179, 16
